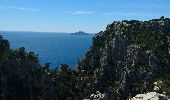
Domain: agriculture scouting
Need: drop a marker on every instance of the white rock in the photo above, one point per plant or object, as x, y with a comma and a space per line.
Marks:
150, 96
97, 96
157, 85
92, 95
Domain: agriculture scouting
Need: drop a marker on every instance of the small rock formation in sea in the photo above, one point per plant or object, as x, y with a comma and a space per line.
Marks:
80, 33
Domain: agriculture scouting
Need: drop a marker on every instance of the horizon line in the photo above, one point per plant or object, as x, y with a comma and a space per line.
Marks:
45, 32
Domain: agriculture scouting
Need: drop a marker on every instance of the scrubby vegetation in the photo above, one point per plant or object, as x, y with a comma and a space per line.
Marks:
124, 60
129, 56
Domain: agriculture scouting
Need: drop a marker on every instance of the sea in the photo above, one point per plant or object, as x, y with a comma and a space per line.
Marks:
55, 48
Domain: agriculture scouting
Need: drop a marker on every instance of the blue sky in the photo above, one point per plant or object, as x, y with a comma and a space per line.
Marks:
74, 15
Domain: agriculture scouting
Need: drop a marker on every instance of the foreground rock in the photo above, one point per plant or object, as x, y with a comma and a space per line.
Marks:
150, 96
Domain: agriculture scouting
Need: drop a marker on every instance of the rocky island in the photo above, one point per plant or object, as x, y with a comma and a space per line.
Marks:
127, 59
80, 33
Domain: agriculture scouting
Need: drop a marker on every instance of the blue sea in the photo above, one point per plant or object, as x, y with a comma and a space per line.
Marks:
56, 48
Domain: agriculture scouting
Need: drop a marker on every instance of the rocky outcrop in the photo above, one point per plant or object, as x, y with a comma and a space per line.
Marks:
100, 96
128, 57
150, 96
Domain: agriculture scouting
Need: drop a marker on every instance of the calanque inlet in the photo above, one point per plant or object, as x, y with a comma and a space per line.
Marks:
127, 59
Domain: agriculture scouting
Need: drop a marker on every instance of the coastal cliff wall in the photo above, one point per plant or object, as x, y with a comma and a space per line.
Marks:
129, 56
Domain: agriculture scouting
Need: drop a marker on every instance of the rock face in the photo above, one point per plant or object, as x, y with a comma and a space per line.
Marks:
129, 56
150, 96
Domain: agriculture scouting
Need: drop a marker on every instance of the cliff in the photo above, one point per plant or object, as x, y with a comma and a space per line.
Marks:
129, 56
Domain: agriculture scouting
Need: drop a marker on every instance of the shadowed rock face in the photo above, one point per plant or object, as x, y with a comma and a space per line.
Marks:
127, 57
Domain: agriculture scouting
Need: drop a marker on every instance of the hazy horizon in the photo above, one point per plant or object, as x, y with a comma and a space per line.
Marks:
46, 32
68, 16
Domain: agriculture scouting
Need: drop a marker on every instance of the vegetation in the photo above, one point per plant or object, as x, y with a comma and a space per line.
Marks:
23, 78
129, 56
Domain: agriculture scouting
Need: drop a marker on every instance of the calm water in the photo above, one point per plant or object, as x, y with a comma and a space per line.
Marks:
56, 48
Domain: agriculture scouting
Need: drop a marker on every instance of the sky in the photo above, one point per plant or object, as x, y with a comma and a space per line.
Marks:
74, 15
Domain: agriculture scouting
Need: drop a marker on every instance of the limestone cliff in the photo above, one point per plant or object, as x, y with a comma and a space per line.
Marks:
129, 56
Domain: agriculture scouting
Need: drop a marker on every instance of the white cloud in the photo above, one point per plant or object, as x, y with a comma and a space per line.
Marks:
128, 14
82, 13
18, 8
79, 12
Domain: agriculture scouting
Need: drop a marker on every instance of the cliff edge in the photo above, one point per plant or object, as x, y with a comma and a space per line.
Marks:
129, 57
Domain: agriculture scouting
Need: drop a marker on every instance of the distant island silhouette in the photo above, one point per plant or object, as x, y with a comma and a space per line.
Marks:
80, 33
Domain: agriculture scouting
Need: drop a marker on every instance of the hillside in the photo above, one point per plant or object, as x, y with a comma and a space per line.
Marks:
128, 58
